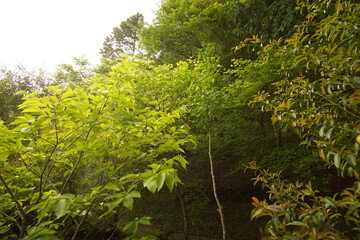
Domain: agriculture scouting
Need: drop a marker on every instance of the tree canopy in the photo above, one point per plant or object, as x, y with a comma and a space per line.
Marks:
188, 102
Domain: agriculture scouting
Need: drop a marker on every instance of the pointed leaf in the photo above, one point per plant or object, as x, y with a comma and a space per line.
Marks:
160, 180
60, 208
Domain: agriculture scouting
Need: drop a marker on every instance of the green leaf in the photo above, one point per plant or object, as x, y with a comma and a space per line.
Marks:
145, 220
331, 202
26, 129
113, 204
68, 94
170, 181
4, 155
160, 180
64, 196
128, 202
134, 194
321, 132
60, 208
36, 233
25, 142
4, 229
132, 226
299, 224
352, 160
182, 161
328, 133
148, 180
151, 186
337, 160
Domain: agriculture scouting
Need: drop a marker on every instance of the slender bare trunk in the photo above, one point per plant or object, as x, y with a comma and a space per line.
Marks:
220, 208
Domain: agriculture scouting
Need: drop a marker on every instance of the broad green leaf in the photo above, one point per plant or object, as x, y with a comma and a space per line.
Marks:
170, 181
35, 233
128, 202
134, 194
60, 208
113, 204
151, 185
352, 160
25, 142
4, 229
26, 129
4, 155
132, 226
160, 180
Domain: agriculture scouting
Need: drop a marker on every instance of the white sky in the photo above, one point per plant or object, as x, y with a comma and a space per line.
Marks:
44, 33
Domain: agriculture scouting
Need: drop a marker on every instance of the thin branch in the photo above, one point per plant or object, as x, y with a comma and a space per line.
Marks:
43, 172
337, 104
34, 171
72, 142
18, 205
83, 219
11, 219
215, 191
76, 164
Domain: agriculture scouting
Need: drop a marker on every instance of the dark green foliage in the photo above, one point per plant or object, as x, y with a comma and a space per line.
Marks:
14, 80
124, 38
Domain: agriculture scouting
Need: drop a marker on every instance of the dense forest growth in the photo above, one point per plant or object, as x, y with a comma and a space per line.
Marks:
221, 119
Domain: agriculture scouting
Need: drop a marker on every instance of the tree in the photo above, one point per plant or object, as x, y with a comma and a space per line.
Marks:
124, 38
18, 79
183, 28
318, 97
75, 73
80, 152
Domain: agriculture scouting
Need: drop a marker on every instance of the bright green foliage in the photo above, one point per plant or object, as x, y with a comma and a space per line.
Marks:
165, 86
79, 152
74, 73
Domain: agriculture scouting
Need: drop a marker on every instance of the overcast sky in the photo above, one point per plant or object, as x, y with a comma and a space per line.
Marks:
44, 33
